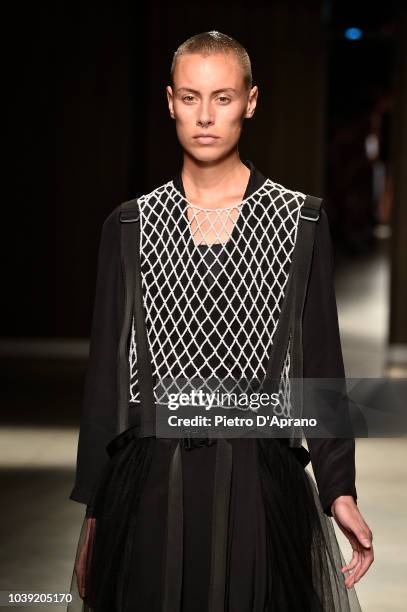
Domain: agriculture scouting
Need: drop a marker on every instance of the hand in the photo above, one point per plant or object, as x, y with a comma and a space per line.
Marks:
352, 524
80, 565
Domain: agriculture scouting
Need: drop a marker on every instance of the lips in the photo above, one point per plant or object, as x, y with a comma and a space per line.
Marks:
206, 139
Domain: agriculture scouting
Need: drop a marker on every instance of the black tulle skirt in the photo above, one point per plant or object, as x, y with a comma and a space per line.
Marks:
282, 551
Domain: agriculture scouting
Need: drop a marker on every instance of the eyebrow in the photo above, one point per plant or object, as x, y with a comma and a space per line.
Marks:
214, 92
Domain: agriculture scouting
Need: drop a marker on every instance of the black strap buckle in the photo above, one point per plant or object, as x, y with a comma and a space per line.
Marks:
129, 216
189, 443
308, 213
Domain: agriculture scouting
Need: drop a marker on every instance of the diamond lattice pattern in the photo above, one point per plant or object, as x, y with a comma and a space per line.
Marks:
218, 319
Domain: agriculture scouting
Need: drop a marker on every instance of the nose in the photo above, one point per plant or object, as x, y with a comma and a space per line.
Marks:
205, 116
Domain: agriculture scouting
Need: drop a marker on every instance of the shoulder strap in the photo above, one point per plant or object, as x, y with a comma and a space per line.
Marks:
129, 236
309, 215
129, 215
290, 319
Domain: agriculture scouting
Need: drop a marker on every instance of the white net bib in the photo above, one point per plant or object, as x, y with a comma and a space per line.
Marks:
214, 318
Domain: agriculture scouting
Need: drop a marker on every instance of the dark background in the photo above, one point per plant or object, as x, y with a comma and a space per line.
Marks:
89, 127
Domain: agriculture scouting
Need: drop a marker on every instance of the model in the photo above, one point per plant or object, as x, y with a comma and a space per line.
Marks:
196, 280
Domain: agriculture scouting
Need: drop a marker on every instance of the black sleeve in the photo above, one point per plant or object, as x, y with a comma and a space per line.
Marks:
89, 511
98, 423
333, 459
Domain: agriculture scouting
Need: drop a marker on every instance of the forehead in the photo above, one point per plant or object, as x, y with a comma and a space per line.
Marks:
205, 72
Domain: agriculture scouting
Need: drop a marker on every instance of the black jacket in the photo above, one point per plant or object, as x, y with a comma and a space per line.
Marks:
333, 460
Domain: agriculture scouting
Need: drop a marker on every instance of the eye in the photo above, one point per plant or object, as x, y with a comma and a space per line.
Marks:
224, 99
188, 98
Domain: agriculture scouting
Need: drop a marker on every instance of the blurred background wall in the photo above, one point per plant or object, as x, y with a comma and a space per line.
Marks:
88, 127
330, 120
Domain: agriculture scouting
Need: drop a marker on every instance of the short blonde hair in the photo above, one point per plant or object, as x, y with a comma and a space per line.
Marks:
208, 43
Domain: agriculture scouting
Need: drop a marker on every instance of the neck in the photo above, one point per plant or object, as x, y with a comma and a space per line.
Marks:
221, 181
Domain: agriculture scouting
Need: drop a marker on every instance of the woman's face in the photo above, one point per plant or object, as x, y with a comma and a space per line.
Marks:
209, 98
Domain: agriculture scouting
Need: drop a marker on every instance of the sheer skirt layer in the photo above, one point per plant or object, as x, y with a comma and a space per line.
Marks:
282, 551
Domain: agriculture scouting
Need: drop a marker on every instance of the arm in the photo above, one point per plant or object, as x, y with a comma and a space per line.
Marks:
98, 415
333, 459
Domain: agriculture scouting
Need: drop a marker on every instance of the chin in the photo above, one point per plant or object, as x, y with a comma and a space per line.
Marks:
200, 154
206, 154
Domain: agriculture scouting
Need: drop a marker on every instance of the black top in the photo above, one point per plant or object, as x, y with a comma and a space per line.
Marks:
333, 460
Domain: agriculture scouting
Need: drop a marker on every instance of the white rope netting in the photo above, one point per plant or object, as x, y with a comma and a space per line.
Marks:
214, 317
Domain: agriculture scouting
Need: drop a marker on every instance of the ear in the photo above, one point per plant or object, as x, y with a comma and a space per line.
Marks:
170, 99
252, 102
